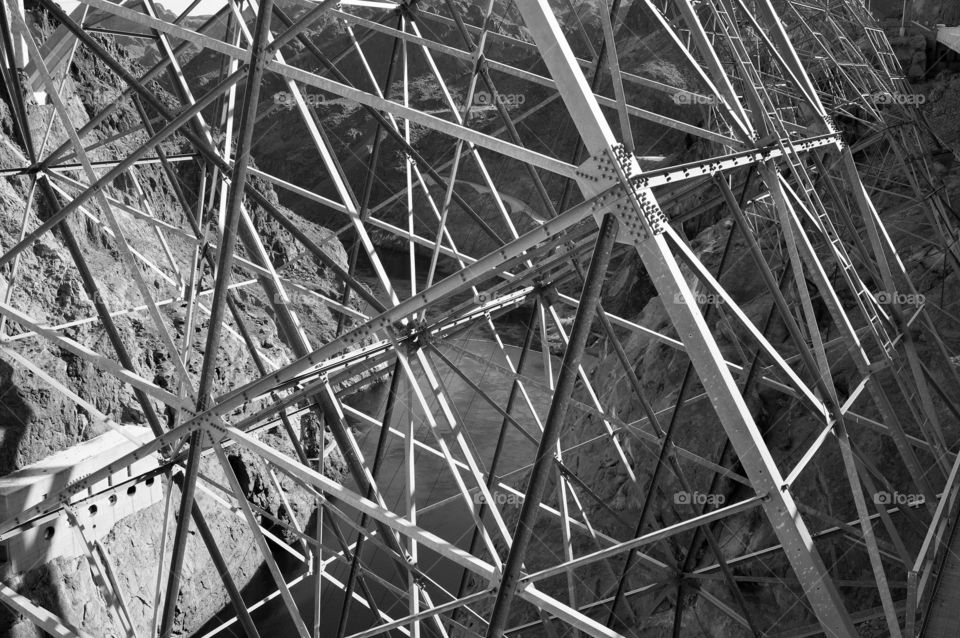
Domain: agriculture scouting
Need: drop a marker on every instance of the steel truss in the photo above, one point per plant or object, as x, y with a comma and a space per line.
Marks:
786, 141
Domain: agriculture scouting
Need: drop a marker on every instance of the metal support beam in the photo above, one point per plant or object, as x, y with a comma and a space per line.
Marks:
553, 426
701, 347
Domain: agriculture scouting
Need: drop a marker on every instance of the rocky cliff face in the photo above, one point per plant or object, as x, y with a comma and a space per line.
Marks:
36, 421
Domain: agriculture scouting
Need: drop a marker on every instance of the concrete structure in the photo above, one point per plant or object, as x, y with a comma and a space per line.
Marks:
949, 36
98, 508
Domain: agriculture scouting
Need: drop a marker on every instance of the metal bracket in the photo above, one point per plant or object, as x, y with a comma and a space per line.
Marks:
637, 211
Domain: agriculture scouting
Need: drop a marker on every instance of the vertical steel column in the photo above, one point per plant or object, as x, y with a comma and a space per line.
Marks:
238, 179
539, 475
704, 353
223, 569
187, 489
350, 585
20, 55
501, 440
218, 305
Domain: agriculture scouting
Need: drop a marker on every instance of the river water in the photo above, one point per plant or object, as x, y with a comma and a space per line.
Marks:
481, 423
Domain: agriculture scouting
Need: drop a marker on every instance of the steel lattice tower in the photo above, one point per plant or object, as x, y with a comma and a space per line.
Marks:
792, 146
